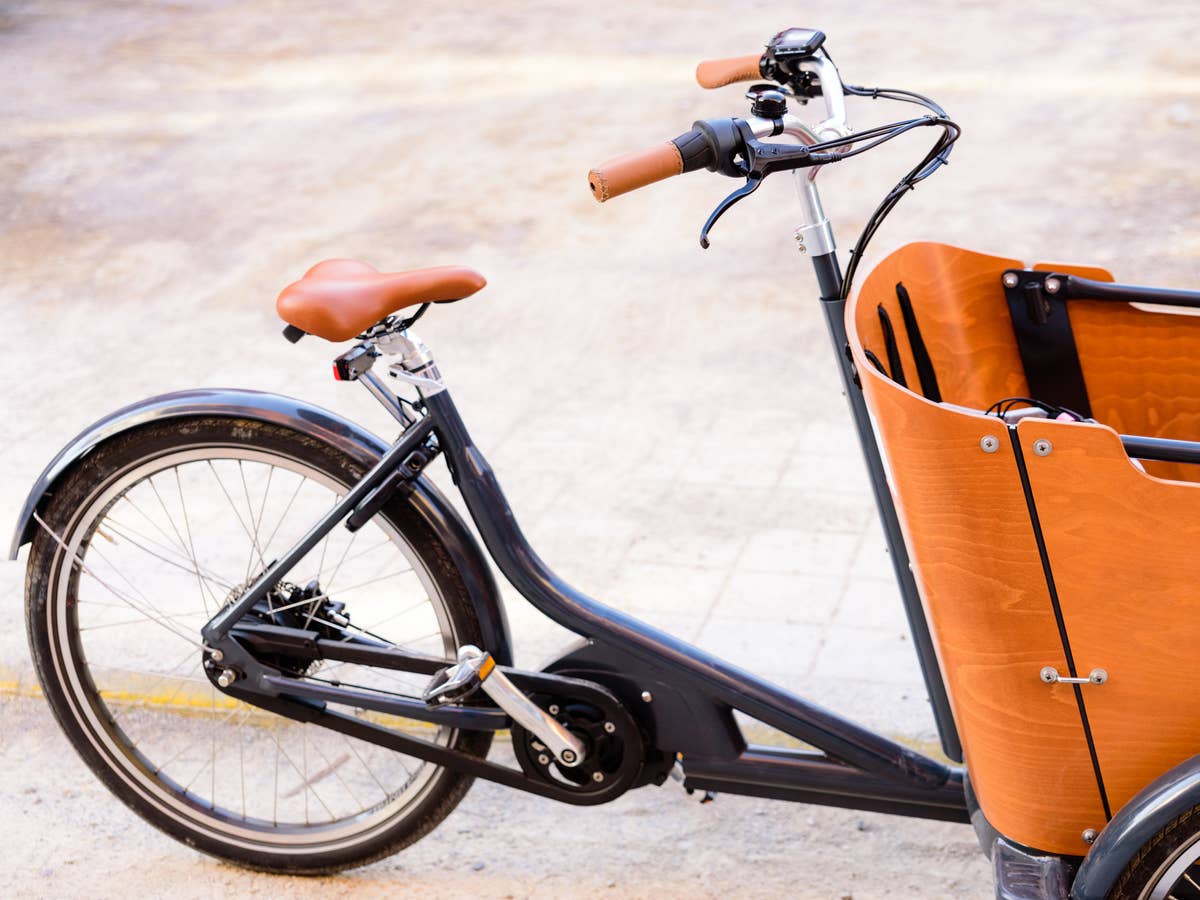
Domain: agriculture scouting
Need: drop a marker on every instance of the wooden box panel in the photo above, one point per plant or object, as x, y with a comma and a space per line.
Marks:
969, 534
1124, 547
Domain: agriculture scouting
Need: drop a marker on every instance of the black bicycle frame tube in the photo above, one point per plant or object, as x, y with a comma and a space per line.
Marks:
857, 767
1075, 287
807, 777
713, 678
1161, 449
829, 279
453, 716
218, 627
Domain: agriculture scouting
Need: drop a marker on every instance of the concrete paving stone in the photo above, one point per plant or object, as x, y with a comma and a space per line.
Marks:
677, 598
774, 597
734, 462
686, 549
536, 639
898, 710
832, 437
867, 654
872, 603
873, 559
761, 646
816, 509
594, 490
603, 539
722, 511
844, 474
793, 550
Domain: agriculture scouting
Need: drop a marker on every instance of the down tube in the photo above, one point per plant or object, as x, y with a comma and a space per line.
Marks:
835, 310
841, 739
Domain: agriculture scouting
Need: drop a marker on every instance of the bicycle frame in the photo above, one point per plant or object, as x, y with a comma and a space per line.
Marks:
682, 696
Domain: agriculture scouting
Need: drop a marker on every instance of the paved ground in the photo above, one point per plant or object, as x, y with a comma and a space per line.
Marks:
667, 422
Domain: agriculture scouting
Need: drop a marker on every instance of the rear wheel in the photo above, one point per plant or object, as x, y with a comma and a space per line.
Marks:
147, 538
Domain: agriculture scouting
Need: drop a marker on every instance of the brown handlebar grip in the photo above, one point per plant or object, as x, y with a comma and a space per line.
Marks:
715, 73
634, 170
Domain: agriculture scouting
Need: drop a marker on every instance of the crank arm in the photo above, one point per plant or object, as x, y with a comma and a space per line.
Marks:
316, 713
476, 669
451, 683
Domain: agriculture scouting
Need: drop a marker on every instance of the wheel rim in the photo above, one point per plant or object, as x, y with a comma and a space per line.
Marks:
210, 762
1178, 878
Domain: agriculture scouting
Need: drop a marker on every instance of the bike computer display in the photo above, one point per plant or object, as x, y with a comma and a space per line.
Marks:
795, 43
784, 55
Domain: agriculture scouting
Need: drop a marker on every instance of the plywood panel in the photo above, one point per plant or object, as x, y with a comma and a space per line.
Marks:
975, 558
1141, 367
1142, 370
967, 332
1125, 550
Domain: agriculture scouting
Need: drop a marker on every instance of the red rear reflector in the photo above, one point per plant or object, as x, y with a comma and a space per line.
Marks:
337, 374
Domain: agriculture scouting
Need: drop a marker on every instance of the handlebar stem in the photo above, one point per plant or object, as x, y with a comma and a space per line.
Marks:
832, 92
814, 234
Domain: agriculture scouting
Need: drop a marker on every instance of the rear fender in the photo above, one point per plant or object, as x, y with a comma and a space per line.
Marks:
319, 424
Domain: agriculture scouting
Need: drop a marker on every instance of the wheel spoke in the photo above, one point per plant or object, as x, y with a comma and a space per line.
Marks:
331, 768
128, 534
255, 548
187, 525
237, 514
164, 558
334, 574
138, 621
158, 617
283, 515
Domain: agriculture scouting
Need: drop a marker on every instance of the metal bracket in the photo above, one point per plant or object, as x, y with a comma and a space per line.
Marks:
1042, 327
402, 476
416, 365
1050, 675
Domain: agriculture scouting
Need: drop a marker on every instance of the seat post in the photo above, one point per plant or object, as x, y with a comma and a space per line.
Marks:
416, 365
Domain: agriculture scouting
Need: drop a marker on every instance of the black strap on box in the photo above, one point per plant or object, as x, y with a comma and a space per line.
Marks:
925, 373
892, 347
1044, 338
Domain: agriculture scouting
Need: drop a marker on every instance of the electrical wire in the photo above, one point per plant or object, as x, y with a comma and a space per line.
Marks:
938, 156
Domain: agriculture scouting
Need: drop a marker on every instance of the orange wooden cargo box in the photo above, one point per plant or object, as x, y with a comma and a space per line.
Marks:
1040, 543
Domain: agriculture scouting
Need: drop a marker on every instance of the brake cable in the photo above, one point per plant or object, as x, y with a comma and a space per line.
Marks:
759, 159
930, 163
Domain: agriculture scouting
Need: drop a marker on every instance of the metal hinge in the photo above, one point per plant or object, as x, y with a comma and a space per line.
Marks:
1050, 675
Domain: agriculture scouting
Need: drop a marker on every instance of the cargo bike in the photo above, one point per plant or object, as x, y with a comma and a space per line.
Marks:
250, 674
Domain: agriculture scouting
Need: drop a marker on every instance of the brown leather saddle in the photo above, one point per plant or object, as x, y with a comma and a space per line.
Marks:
340, 298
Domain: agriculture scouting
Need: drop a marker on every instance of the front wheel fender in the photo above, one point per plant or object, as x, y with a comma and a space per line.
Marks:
1163, 800
318, 423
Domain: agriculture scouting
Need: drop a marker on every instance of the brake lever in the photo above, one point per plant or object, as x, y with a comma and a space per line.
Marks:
758, 161
751, 185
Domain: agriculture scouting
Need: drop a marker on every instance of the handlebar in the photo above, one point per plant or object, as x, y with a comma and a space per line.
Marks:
631, 171
797, 60
709, 145
715, 73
